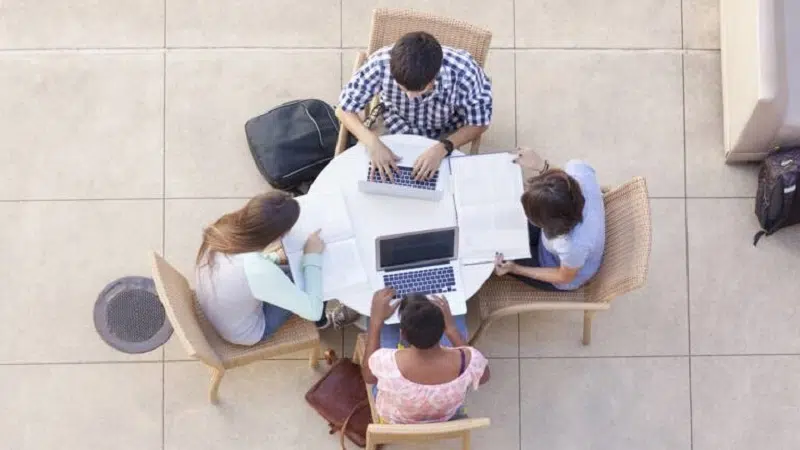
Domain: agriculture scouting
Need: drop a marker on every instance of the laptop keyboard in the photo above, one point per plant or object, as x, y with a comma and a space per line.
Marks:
402, 177
438, 280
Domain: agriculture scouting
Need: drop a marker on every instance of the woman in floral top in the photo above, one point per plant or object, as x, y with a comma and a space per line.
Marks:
425, 381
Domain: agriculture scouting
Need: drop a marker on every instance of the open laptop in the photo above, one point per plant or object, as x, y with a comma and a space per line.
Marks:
424, 262
403, 185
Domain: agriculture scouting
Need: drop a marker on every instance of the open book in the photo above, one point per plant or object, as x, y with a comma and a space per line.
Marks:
341, 263
486, 190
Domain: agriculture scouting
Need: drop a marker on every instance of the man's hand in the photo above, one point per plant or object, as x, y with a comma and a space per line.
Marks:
382, 307
529, 159
383, 160
441, 302
501, 266
428, 162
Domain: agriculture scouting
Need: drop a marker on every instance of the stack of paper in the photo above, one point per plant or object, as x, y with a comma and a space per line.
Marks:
341, 264
486, 190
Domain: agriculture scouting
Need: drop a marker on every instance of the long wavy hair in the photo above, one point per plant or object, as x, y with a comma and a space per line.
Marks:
263, 220
553, 201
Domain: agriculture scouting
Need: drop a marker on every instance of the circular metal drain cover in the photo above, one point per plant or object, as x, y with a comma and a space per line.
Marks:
129, 316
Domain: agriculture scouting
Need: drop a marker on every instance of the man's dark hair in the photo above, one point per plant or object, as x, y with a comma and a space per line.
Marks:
553, 201
421, 321
415, 60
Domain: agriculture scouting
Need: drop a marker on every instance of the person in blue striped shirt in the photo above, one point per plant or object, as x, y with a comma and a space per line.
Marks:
426, 89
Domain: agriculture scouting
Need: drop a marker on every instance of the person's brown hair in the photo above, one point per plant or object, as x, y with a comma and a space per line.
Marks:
263, 220
415, 60
553, 201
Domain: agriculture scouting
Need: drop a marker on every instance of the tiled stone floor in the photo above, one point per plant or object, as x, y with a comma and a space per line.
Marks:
122, 131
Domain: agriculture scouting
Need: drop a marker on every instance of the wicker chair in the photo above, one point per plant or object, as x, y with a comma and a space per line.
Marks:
388, 25
202, 342
624, 268
378, 433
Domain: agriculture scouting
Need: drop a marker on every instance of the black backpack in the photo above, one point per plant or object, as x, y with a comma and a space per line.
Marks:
777, 205
293, 142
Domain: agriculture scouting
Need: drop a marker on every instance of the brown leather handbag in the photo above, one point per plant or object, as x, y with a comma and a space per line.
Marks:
340, 397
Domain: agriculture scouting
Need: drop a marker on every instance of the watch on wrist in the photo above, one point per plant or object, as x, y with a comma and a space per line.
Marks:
448, 145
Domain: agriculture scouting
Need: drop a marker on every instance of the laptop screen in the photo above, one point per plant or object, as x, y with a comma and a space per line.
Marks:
415, 249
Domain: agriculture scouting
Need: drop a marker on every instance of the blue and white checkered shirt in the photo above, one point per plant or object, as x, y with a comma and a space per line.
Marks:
462, 95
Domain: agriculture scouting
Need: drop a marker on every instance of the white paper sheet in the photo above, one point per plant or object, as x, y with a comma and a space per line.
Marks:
487, 189
319, 211
342, 267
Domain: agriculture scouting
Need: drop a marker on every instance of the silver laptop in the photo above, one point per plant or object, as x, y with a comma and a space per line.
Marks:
403, 185
424, 262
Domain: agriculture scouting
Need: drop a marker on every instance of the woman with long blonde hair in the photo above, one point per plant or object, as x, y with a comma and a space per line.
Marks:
243, 292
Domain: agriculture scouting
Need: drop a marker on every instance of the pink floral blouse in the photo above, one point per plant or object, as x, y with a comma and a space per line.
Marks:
402, 401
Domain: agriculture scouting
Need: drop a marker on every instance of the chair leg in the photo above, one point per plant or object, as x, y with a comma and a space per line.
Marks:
587, 327
371, 445
313, 358
216, 379
466, 440
357, 356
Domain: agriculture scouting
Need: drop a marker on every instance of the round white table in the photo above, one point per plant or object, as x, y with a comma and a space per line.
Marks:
377, 215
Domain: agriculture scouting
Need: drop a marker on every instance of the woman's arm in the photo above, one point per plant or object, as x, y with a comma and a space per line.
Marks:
554, 275
373, 342
269, 284
452, 333
381, 310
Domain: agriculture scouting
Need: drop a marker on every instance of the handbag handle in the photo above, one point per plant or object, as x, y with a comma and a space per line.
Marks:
356, 408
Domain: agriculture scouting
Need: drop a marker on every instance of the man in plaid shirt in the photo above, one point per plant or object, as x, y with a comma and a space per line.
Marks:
429, 90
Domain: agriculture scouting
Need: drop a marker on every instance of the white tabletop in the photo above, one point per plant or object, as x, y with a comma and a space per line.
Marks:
373, 215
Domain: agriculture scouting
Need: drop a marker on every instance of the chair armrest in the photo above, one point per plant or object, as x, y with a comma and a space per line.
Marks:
344, 134
427, 431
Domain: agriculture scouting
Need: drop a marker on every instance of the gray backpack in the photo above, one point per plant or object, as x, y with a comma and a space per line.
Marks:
777, 205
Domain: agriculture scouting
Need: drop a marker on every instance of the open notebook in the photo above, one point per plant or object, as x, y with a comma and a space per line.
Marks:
341, 264
486, 190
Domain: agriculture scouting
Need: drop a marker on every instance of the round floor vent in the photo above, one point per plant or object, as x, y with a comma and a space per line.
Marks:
129, 316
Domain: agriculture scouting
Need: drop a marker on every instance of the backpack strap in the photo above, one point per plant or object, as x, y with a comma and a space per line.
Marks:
360, 405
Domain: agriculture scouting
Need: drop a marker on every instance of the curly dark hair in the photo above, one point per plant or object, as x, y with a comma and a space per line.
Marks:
421, 321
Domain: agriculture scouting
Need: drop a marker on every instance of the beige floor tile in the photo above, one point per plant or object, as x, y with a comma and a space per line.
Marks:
701, 24
81, 406
253, 23
743, 298
58, 259
607, 403
498, 17
599, 24
261, 406
652, 321
742, 403
184, 223
707, 175
210, 96
81, 23
620, 111
84, 125
498, 400
501, 135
